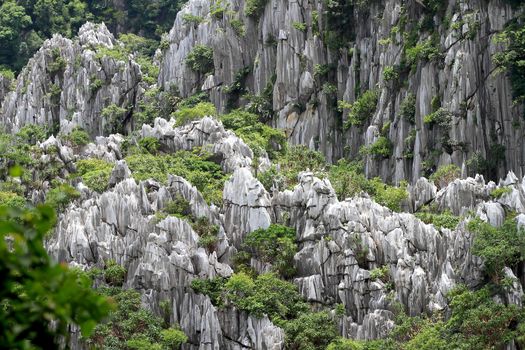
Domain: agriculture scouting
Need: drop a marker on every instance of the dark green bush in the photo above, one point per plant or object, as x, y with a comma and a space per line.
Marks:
78, 137
362, 109
445, 174
274, 245
407, 110
60, 196
31, 134
254, 8
207, 176
445, 219
95, 173
149, 144
35, 289
200, 59
207, 233
381, 148
255, 134
499, 247
131, 326
185, 115
310, 331
114, 274
180, 207
12, 200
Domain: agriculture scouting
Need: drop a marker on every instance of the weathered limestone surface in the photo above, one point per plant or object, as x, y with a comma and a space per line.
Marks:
340, 242
68, 83
479, 101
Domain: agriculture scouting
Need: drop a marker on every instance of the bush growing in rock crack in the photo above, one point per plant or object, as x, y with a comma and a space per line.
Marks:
274, 245
95, 173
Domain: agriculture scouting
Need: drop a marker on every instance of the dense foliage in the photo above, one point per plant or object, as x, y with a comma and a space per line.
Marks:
498, 246
257, 135
24, 25
274, 245
194, 166
133, 327
36, 291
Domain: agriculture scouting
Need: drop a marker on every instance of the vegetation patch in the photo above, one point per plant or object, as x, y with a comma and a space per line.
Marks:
362, 109
257, 135
194, 166
200, 59
185, 115
95, 173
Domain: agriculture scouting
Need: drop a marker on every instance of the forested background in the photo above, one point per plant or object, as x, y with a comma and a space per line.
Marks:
25, 24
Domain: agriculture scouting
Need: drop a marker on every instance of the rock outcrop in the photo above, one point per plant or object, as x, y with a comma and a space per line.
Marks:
340, 243
68, 83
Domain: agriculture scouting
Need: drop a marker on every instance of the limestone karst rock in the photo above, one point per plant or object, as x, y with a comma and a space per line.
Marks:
68, 83
285, 49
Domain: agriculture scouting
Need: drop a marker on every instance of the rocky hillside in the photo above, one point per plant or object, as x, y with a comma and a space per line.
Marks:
230, 177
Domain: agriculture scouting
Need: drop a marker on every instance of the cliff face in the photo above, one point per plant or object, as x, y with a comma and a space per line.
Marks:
286, 51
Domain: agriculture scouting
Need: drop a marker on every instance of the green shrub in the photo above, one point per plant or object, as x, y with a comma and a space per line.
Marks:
390, 73
426, 50
254, 8
35, 289
114, 274
200, 59
179, 207
173, 338
31, 134
445, 219
445, 174
238, 26
12, 200
407, 110
380, 273
499, 247
510, 59
207, 176
329, 89
149, 144
95, 84
295, 160
347, 344
59, 197
188, 114
347, 179
218, 8
362, 109
382, 147
258, 136
95, 173
500, 192
78, 137
189, 18
58, 64
300, 26
265, 294
310, 331
113, 116
207, 233
131, 326
441, 117
275, 245
389, 196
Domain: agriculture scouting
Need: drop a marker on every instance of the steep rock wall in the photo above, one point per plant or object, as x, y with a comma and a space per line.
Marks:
285, 50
